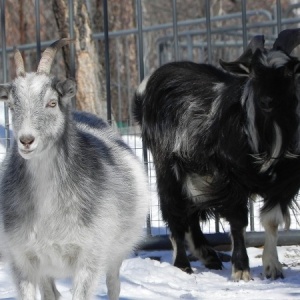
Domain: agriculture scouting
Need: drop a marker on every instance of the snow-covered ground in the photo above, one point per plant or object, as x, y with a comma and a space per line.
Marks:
146, 279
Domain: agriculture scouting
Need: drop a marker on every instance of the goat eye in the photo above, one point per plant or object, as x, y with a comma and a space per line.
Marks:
52, 103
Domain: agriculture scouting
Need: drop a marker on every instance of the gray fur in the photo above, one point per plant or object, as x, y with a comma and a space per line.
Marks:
73, 197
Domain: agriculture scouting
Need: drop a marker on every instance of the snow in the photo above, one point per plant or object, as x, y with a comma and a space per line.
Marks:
143, 278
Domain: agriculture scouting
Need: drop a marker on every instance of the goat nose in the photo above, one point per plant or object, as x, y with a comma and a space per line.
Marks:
26, 140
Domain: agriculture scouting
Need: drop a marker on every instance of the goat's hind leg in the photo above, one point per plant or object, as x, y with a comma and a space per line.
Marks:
174, 212
199, 245
180, 258
270, 221
86, 276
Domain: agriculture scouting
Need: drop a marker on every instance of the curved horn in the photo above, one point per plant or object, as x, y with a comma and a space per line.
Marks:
287, 40
49, 54
20, 69
257, 42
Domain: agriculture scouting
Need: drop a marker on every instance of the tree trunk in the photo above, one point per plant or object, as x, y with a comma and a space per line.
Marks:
89, 73
123, 54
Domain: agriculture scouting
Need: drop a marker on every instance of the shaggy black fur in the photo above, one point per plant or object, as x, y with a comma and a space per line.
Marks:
216, 140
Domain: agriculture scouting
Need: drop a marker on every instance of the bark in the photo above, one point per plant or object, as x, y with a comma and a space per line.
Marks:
89, 74
123, 54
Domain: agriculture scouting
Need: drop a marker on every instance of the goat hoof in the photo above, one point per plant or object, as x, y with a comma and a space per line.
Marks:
238, 275
214, 266
224, 257
278, 276
187, 270
274, 271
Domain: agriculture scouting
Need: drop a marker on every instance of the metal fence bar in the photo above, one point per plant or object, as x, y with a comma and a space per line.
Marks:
244, 24
234, 29
107, 64
175, 29
72, 46
140, 39
208, 30
142, 75
119, 79
128, 76
38, 30
4, 72
197, 21
252, 239
278, 15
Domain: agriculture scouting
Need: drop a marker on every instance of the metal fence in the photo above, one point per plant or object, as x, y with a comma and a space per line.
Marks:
203, 39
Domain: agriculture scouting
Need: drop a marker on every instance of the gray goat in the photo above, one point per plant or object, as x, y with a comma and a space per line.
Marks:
73, 197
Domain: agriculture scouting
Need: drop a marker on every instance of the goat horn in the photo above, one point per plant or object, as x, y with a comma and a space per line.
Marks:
287, 40
49, 54
20, 69
257, 42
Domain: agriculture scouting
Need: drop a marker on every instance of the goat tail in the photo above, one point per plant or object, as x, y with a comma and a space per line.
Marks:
137, 108
138, 100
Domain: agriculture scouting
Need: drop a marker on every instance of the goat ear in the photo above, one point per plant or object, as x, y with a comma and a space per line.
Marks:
297, 74
4, 91
242, 65
237, 67
66, 88
297, 69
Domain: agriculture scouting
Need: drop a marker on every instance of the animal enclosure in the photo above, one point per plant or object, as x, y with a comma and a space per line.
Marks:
158, 31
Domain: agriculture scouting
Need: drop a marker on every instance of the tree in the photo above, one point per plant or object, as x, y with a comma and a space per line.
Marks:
89, 72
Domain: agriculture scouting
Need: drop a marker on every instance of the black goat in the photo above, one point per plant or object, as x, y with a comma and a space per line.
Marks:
219, 138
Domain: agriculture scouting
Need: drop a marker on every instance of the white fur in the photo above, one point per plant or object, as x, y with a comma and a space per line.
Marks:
270, 221
248, 101
276, 149
61, 234
195, 186
191, 245
217, 88
142, 87
275, 59
174, 247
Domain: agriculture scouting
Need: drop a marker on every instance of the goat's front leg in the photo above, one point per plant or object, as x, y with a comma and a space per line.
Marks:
270, 221
48, 289
85, 279
26, 287
113, 279
238, 220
